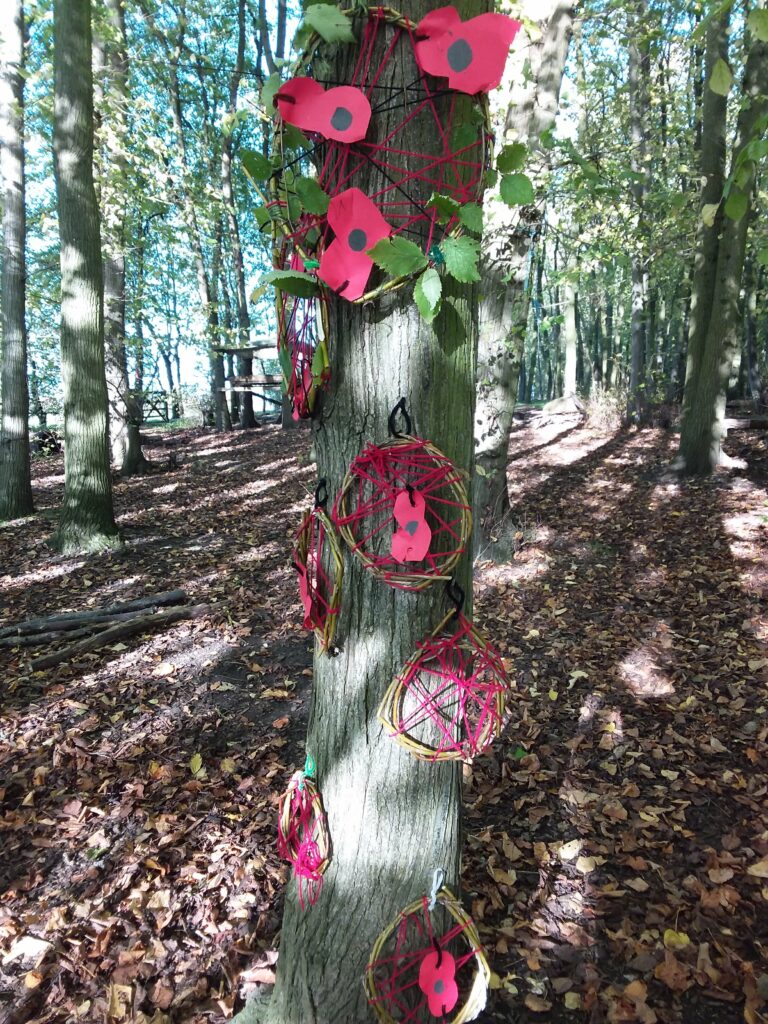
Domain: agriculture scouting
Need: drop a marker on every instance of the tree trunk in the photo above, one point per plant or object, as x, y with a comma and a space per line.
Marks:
638, 81
15, 482
570, 338
392, 818
247, 419
506, 263
87, 518
702, 428
38, 409
750, 329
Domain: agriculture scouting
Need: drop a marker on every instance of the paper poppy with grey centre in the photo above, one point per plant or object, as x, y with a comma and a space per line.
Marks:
470, 54
345, 265
341, 114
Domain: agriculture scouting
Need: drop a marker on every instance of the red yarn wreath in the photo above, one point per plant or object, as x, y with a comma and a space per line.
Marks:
403, 510
302, 327
344, 147
302, 836
319, 567
449, 701
419, 972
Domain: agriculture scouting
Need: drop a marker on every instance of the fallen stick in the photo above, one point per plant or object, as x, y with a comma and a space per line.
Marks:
119, 632
71, 620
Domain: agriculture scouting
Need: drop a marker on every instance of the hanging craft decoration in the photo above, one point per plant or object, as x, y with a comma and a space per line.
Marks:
470, 54
302, 833
416, 153
345, 265
448, 702
403, 509
319, 565
428, 963
302, 328
341, 114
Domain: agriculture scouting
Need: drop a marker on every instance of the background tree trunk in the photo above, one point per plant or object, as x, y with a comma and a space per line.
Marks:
15, 484
87, 519
507, 254
570, 337
702, 427
392, 818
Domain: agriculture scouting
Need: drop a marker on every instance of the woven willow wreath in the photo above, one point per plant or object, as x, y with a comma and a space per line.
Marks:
367, 506
448, 702
393, 979
302, 836
455, 170
319, 564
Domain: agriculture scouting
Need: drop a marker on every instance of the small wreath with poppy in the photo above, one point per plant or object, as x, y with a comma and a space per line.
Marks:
302, 834
420, 970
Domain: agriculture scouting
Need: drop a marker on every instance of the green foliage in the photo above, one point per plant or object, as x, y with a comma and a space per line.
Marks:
256, 165
461, 257
512, 158
428, 293
269, 91
312, 196
736, 205
329, 23
293, 282
721, 79
758, 24
446, 206
517, 190
397, 256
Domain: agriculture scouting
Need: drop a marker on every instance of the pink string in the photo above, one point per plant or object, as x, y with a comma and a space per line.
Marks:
299, 846
319, 583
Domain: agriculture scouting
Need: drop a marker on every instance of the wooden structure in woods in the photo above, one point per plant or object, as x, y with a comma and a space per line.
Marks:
155, 402
256, 384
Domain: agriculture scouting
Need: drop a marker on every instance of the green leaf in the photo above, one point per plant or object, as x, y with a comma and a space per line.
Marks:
512, 158
758, 24
255, 165
294, 282
547, 139
269, 91
397, 256
286, 366
446, 206
428, 294
517, 190
736, 205
471, 216
294, 138
708, 214
312, 196
461, 256
762, 258
330, 23
195, 763
261, 213
721, 79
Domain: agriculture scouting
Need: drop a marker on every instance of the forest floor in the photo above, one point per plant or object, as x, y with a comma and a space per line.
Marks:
617, 836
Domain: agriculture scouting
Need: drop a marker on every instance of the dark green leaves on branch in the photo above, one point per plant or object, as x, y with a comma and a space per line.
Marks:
256, 165
294, 282
757, 22
517, 190
512, 158
397, 256
736, 205
312, 196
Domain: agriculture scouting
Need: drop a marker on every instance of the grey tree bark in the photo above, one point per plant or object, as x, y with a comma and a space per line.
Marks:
570, 336
702, 428
15, 483
392, 818
507, 256
87, 518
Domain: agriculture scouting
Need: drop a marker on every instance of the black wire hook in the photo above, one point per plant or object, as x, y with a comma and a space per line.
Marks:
456, 595
399, 408
321, 493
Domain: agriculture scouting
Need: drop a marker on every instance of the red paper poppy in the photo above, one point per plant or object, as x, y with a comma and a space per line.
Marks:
341, 114
437, 980
411, 542
470, 54
345, 266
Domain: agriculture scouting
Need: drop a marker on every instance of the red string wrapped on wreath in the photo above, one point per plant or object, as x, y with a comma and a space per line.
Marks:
449, 701
302, 329
403, 510
428, 963
319, 566
302, 834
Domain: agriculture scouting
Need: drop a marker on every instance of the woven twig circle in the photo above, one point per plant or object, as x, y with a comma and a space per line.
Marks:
392, 975
302, 836
319, 563
364, 512
448, 703
455, 167
302, 341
